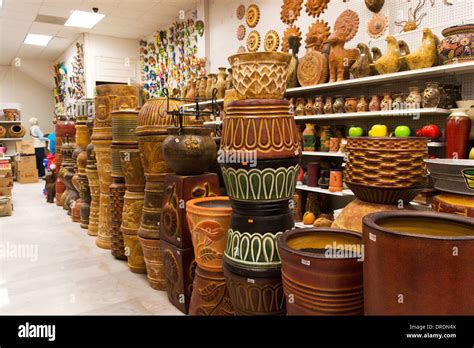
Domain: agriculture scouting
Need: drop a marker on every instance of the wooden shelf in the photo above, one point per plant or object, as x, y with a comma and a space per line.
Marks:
323, 154
347, 193
376, 114
437, 71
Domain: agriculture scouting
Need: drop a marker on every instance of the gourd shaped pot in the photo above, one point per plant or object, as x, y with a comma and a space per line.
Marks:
16, 131
189, 150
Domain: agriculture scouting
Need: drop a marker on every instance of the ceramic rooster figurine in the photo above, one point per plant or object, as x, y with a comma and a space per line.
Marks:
426, 55
390, 61
339, 57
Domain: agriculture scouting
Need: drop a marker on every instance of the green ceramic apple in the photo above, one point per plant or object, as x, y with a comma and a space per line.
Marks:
356, 132
402, 131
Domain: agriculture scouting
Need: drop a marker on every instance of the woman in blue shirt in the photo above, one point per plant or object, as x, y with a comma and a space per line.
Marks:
40, 144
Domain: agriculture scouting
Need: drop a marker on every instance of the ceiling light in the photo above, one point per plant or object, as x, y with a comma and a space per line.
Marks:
37, 40
83, 19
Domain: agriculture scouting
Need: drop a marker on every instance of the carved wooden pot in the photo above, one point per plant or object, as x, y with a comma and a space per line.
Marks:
94, 186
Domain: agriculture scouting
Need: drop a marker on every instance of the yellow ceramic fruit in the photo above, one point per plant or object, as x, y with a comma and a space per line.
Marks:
378, 130
309, 218
471, 154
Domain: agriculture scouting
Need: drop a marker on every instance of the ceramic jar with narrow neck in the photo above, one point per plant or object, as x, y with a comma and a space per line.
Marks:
457, 130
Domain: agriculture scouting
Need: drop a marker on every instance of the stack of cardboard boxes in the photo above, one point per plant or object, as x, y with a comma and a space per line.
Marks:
26, 171
6, 186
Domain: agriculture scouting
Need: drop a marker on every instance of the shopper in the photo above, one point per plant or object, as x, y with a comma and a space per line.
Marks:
40, 144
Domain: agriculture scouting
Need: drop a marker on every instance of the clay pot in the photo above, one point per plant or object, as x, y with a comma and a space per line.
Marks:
3, 132
265, 127
456, 133
313, 171
210, 295
300, 107
16, 131
316, 278
94, 186
60, 188
309, 138
325, 138
454, 204
154, 262
318, 107
189, 150
191, 90
338, 107
268, 180
82, 135
260, 75
228, 80
298, 206
398, 102
124, 123
11, 114
151, 212
414, 99
362, 105
308, 109
65, 127
374, 104
154, 118
418, 236
221, 83
431, 95
117, 192
201, 86
350, 105
386, 103
453, 48
208, 220
334, 144
132, 169
328, 109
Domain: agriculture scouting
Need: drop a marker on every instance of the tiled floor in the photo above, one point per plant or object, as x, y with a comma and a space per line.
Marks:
63, 272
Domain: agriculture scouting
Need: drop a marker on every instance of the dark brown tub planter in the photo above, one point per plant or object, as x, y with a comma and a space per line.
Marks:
317, 283
418, 263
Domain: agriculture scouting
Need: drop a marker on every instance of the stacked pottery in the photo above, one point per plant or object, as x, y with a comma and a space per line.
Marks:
94, 187
108, 98
66, 174
260, 163
77, 203
65, 129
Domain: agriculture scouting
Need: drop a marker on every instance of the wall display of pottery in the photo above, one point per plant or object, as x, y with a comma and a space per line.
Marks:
374, 5
347, 23
240, 12
290, 11
253, 41
60, 90
414, 18
316, 7
77, 78
241, 31
271, 41
291, 31
252, 16
377, 25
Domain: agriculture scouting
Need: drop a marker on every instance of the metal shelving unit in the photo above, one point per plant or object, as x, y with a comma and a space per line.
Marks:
343, 193
323, 154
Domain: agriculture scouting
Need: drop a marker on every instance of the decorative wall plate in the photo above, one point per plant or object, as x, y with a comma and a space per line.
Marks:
240, 12
317, 34
374, 5
316, 7
272, 41
290, 31
377, 25
241, 49
347, 22
241, 31
253, 41
290, 11
313, 68
253, 16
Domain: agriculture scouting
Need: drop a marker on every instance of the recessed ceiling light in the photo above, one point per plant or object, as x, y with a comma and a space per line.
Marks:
37, 40
83, 19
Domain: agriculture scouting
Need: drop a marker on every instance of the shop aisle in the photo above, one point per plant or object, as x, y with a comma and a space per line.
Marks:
49, 265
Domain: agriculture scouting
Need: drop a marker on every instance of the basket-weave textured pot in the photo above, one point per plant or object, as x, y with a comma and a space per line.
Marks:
317, 283
117, 192
260, 75
384, 195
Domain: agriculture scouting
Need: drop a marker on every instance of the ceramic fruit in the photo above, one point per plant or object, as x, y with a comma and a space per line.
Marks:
471, 154
390, 61
402, 131
260, 75
456, 133
448, 176
457, 44
315, 278
378, 130
309, 218
426, 56
356, 132
418, 236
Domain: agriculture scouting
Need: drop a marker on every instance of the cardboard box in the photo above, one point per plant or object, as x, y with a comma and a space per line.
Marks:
6, 191
6, 206
26, 163
27, 177
6, 181
25, 147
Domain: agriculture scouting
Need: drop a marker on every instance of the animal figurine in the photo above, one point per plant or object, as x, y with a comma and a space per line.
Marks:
376, 53
404, 50
426, 55
50, 185
339, 57
390, 61
364, 66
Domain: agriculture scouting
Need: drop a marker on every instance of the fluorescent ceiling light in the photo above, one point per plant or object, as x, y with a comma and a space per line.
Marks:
37, 40
83, 19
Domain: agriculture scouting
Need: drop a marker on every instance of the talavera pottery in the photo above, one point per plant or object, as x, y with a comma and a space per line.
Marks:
448, 175
457, 44
317, 279
189, 150
260, 75
268, 180
454, 204
418, 236
208, 220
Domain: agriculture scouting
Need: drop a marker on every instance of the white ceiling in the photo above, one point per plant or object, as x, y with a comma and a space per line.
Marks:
131, 19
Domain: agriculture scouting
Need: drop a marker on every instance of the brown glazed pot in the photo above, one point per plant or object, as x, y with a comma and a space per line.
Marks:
94, 186
189, 150
208, 220
154, 262
255, 296
179, 268
316, 283
264, 126
178, 190
210, 296
418, 263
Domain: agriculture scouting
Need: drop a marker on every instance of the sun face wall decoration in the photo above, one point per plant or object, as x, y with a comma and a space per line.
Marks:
253, 41
290, 11
271, 41
316, 7
252, 16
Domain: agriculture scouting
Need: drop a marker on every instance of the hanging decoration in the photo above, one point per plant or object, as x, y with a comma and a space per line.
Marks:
60, 93
290, 11
291, 31
241, 31
240, 12
77, 80
272, 41
377, 25
374, 5
253, 15
414, 17
253, 41
316, 7
347, 23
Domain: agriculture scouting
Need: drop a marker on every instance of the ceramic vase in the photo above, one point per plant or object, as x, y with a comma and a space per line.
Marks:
457, 129
309, 138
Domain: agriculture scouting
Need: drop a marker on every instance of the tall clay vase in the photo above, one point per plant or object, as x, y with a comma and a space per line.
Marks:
220, 83
94, 186
457, 130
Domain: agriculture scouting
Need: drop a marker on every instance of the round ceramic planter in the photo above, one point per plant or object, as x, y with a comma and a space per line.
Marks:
436, 260
189, 150
457, 44
208, 220
268, 180
452, 175
154, 116
16, 131
316, 278
265, 128
260, 75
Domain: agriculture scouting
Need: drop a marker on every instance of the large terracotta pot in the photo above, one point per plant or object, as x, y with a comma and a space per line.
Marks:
260, 75
267, 180
264, 126
316, 279
82, 135
84, 190
437, 264
132, 169
153, 116
65, 127
154, 262
124, 123
208, 220
60, 188
16, 131
210, 296
94, 186
132, 211
151, 212
457, 44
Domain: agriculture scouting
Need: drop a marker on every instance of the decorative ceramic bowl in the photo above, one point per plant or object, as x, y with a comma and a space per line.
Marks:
457, 44
384, 195
414, 259
450, 175
260, 75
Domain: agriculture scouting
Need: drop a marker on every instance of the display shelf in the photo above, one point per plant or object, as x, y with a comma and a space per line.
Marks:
327, 192
323, 154
212, 123
11, 139
436, 144
371, 114
411, 75
302, 225
9, 122
204, 103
